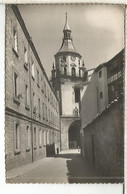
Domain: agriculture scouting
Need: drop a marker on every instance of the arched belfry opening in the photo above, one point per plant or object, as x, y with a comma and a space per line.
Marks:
74, 135
73, 72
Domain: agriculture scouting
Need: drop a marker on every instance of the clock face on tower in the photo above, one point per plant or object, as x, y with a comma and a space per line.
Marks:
73, 58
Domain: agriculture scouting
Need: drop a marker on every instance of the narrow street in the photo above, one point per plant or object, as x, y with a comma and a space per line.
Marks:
67, 167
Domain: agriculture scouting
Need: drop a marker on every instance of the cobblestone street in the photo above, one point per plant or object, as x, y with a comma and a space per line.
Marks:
67, 167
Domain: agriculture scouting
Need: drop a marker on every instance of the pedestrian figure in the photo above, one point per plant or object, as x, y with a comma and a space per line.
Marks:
57, 150
78, 149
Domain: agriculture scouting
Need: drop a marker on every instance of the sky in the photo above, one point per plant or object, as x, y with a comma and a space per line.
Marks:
97, 30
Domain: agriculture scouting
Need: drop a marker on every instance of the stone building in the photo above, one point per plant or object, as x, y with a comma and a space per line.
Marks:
32, 122
106, 84
102, 128
115, 72
69, 79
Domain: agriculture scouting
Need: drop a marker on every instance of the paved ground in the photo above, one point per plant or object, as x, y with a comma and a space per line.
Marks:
67, 167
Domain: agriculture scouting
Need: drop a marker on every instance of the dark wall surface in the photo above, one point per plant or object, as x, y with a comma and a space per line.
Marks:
104, 140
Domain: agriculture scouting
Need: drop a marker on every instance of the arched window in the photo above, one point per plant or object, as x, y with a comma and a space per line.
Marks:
73, 71
68, 35
85, 75
65, 71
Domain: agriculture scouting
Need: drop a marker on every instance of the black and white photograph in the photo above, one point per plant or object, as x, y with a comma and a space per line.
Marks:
64, 93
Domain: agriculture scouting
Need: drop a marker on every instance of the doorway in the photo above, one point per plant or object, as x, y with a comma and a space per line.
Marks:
74, 135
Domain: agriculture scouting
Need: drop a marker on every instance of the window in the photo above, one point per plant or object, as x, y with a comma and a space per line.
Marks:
51, 117
73, 73
112, 88
26, 95
34, 107
77, 94
85, 76
109, 80
35, 138
115, 76
48, 94
33, 71
119, 73
101, 95
40, 138
38, 78
65, 71
79, 61
17, 95
51, 99
25, 55
46, 113
64, 59
44, 138
68, 35
48, 137
28, 138
16, 85
42, 86
45, 89
43, 109
33, 98
52, 137
17, 138
15, 40
100, 73
39, 108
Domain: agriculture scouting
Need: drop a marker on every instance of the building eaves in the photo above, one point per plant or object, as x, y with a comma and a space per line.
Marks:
109, 106
99, 67
28, 37
115, 57
108, 62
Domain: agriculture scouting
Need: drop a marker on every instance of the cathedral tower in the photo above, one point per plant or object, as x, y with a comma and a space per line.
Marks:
67, 75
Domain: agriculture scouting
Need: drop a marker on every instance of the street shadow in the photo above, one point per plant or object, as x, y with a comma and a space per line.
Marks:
79, 171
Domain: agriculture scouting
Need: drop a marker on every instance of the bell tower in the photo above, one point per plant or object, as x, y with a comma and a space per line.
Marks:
68, 73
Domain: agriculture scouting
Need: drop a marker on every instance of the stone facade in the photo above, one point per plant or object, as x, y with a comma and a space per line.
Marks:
69, 79
32, 121
66, 123
103, 141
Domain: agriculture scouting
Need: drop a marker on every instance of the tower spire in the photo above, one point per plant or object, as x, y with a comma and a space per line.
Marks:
67, 43
66, 27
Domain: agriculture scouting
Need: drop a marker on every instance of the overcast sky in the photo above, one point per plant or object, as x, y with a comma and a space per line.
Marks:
97, 30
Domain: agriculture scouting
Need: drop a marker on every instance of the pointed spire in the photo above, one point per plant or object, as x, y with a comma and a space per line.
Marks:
66, 27
67, 43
